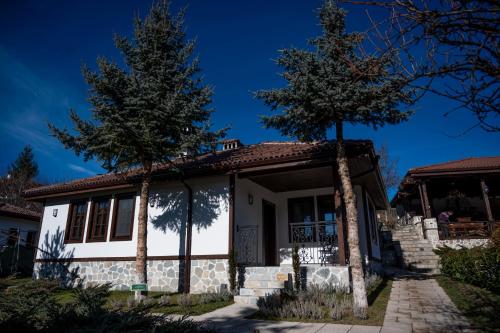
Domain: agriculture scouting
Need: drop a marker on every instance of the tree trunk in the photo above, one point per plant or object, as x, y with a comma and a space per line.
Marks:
189, 239
142, 229
360, 305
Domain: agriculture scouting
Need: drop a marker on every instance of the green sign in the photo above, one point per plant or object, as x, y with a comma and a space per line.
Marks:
139, 287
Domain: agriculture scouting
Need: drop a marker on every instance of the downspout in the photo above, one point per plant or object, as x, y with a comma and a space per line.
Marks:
189, 236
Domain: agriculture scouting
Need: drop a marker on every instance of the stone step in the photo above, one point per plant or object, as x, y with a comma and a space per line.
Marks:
422, 257
419, 250
250, 300
258, 291
264, 284
434, 263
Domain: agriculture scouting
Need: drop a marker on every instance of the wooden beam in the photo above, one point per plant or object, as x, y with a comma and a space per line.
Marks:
487, 205
422, 202
339, 217
428, 212
189, 238
367, 223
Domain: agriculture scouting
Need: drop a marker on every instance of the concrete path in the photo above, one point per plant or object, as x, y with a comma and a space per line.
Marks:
230, 319
419, 305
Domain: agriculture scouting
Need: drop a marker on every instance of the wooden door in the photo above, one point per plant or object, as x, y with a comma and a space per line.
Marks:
269, 230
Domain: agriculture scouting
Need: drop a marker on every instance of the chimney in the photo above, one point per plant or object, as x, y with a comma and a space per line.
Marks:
231, 144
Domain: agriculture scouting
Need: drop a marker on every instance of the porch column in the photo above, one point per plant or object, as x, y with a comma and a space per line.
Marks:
424, 199
339, 218
489, 214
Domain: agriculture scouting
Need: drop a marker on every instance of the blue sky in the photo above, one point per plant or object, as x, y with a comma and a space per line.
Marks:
44, 44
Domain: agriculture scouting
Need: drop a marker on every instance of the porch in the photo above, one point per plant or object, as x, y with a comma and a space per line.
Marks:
473, 199
283, 207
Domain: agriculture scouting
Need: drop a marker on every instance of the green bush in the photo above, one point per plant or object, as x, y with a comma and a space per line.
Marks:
33, 307
296, 267
478, 266
233, 266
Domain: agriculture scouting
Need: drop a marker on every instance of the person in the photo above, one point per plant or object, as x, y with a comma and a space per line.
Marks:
443, 221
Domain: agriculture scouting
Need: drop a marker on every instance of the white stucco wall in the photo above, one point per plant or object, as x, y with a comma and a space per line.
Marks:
24, 226
166, 218
251, 214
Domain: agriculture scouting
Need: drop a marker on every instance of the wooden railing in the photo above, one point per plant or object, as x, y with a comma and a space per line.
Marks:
466, 230
317, 242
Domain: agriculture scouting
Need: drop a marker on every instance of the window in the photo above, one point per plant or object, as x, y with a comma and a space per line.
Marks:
76, 222
31, 238
326, 212
13, 235
301, 213
123, 217
97, 230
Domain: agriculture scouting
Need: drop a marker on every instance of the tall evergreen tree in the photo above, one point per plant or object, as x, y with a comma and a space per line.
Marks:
24, 166
328, 85
20, 176
153, 110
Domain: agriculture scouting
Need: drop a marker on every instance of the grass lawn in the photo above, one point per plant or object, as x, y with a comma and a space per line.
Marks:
480, 306
66, 295
377, 303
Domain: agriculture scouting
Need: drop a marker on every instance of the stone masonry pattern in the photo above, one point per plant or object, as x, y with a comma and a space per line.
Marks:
163, 275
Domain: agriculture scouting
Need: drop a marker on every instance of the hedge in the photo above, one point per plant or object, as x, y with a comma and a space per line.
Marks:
478, 266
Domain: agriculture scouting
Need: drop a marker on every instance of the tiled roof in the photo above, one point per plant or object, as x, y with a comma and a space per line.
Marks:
15, 211
261, 154
467, 164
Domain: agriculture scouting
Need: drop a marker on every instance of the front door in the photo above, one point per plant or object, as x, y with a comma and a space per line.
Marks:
269, 230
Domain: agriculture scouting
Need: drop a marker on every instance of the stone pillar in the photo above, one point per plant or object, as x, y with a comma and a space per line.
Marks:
431, 230
417, 222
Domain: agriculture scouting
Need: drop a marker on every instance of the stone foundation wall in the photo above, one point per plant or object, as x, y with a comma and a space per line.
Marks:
311, 274
207, 275
460, 243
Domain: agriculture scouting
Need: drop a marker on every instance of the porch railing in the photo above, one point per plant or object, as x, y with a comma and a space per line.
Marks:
317, 242
466, 230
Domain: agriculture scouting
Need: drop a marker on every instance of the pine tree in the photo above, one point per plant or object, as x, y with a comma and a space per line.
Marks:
152, 111
24, 166
328, 85
20, 176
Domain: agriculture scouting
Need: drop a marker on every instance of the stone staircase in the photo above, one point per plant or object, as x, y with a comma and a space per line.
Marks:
413, 252
261, 281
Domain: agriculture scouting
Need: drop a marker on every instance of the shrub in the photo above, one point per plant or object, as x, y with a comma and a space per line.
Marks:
28, 308
302, 309
479, 266
185, 300
33, 308
131, 301
371, 280
296, 267
164, 300
313, 303
149, 301
233, 266
116, 304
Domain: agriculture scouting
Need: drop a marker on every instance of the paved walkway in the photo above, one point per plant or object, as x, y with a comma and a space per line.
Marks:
419, 305
230, 319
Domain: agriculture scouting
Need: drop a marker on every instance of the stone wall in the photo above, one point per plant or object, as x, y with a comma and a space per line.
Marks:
311, 274
163, 275
460, 243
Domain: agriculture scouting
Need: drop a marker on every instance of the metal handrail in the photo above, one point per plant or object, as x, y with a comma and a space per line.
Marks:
317, 241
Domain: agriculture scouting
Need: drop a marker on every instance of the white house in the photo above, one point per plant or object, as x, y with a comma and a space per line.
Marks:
18, 234
258, 199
